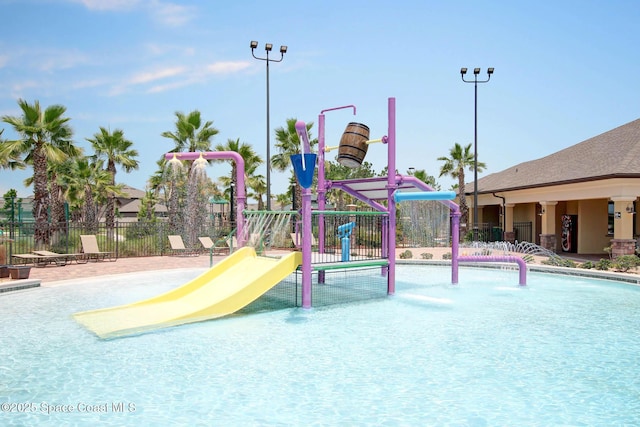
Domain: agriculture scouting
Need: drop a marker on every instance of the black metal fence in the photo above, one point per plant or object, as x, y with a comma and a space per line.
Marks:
524, 231
140, 239
352, 236
492, 232
125, 239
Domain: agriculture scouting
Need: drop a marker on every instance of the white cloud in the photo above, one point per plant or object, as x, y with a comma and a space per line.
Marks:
83, 84
227, 67
109, 5
147, 77
166, 13
170, 86
143, 78
177, 77
18, 89
156, 49
54, 59
170, 14
41, 58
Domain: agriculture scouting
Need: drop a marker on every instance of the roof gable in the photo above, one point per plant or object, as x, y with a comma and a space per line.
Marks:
615, 153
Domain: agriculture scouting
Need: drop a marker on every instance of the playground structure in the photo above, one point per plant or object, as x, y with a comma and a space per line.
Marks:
244, 276
374, 192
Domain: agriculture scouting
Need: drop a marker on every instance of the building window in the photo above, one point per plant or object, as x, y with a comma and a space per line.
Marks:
610, 219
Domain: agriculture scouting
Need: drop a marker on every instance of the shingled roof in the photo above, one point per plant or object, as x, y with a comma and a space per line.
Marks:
613, 154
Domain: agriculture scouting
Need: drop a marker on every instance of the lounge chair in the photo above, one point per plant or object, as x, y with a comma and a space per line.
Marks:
213, 248
178, 247
91, 250
37, 260
297, 240
78, 258
206, 242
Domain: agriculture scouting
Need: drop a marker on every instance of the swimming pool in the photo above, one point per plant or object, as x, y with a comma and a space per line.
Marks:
561, 351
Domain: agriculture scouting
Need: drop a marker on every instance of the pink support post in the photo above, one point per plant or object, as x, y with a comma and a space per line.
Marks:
301, 128
322, 184
486, 258
241, 196
391, 188
455, 239
321, 190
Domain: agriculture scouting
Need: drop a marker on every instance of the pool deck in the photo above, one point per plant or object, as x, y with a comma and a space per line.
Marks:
53, 275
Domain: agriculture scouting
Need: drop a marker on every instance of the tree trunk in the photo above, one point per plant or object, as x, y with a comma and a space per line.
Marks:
58, 219
90, 212
110, 217
40, 197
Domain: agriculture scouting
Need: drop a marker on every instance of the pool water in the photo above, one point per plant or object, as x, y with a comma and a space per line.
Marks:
561, 351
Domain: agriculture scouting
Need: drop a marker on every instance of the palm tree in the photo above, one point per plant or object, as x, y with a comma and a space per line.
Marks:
191, 135
460, 158
116, 150
147, 206
56, 171
288, 143
334, 171
423, 176
258, 187
9, 160
43, 134
251, 162
283, 200
85, 186
158, 181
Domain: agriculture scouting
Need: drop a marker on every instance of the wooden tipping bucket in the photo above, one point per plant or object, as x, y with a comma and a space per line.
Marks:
353, 145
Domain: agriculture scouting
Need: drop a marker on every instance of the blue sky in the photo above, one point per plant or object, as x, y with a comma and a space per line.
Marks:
564, 71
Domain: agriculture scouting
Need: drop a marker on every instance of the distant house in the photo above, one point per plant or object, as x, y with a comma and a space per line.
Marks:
579, 200
128, 205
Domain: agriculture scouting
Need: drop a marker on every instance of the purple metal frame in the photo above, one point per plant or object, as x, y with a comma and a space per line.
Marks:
393, 183
390, 184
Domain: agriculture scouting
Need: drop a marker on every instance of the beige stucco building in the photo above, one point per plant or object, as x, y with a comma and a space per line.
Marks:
579, 200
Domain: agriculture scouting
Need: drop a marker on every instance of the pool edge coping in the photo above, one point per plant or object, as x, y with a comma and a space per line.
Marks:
628, 278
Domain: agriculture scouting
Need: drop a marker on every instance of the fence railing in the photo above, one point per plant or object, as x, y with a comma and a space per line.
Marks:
365, 239
125, 239
524, 231
492, 232
142, 238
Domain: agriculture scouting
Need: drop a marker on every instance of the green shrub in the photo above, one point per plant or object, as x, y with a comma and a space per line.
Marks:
603, 264
406, 254
559, 262
446, 255
588, 265
625, 263
426, 255
528, 258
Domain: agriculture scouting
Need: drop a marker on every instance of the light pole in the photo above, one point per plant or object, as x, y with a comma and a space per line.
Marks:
283, 50
475, 82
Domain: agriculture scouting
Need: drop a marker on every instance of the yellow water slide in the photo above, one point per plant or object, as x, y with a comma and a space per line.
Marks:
228, 286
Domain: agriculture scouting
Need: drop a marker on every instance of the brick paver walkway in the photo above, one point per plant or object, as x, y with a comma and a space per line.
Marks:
53, 273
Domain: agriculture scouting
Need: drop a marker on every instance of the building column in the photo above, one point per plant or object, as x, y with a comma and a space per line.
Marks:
623, 242
509, 232
548, 225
